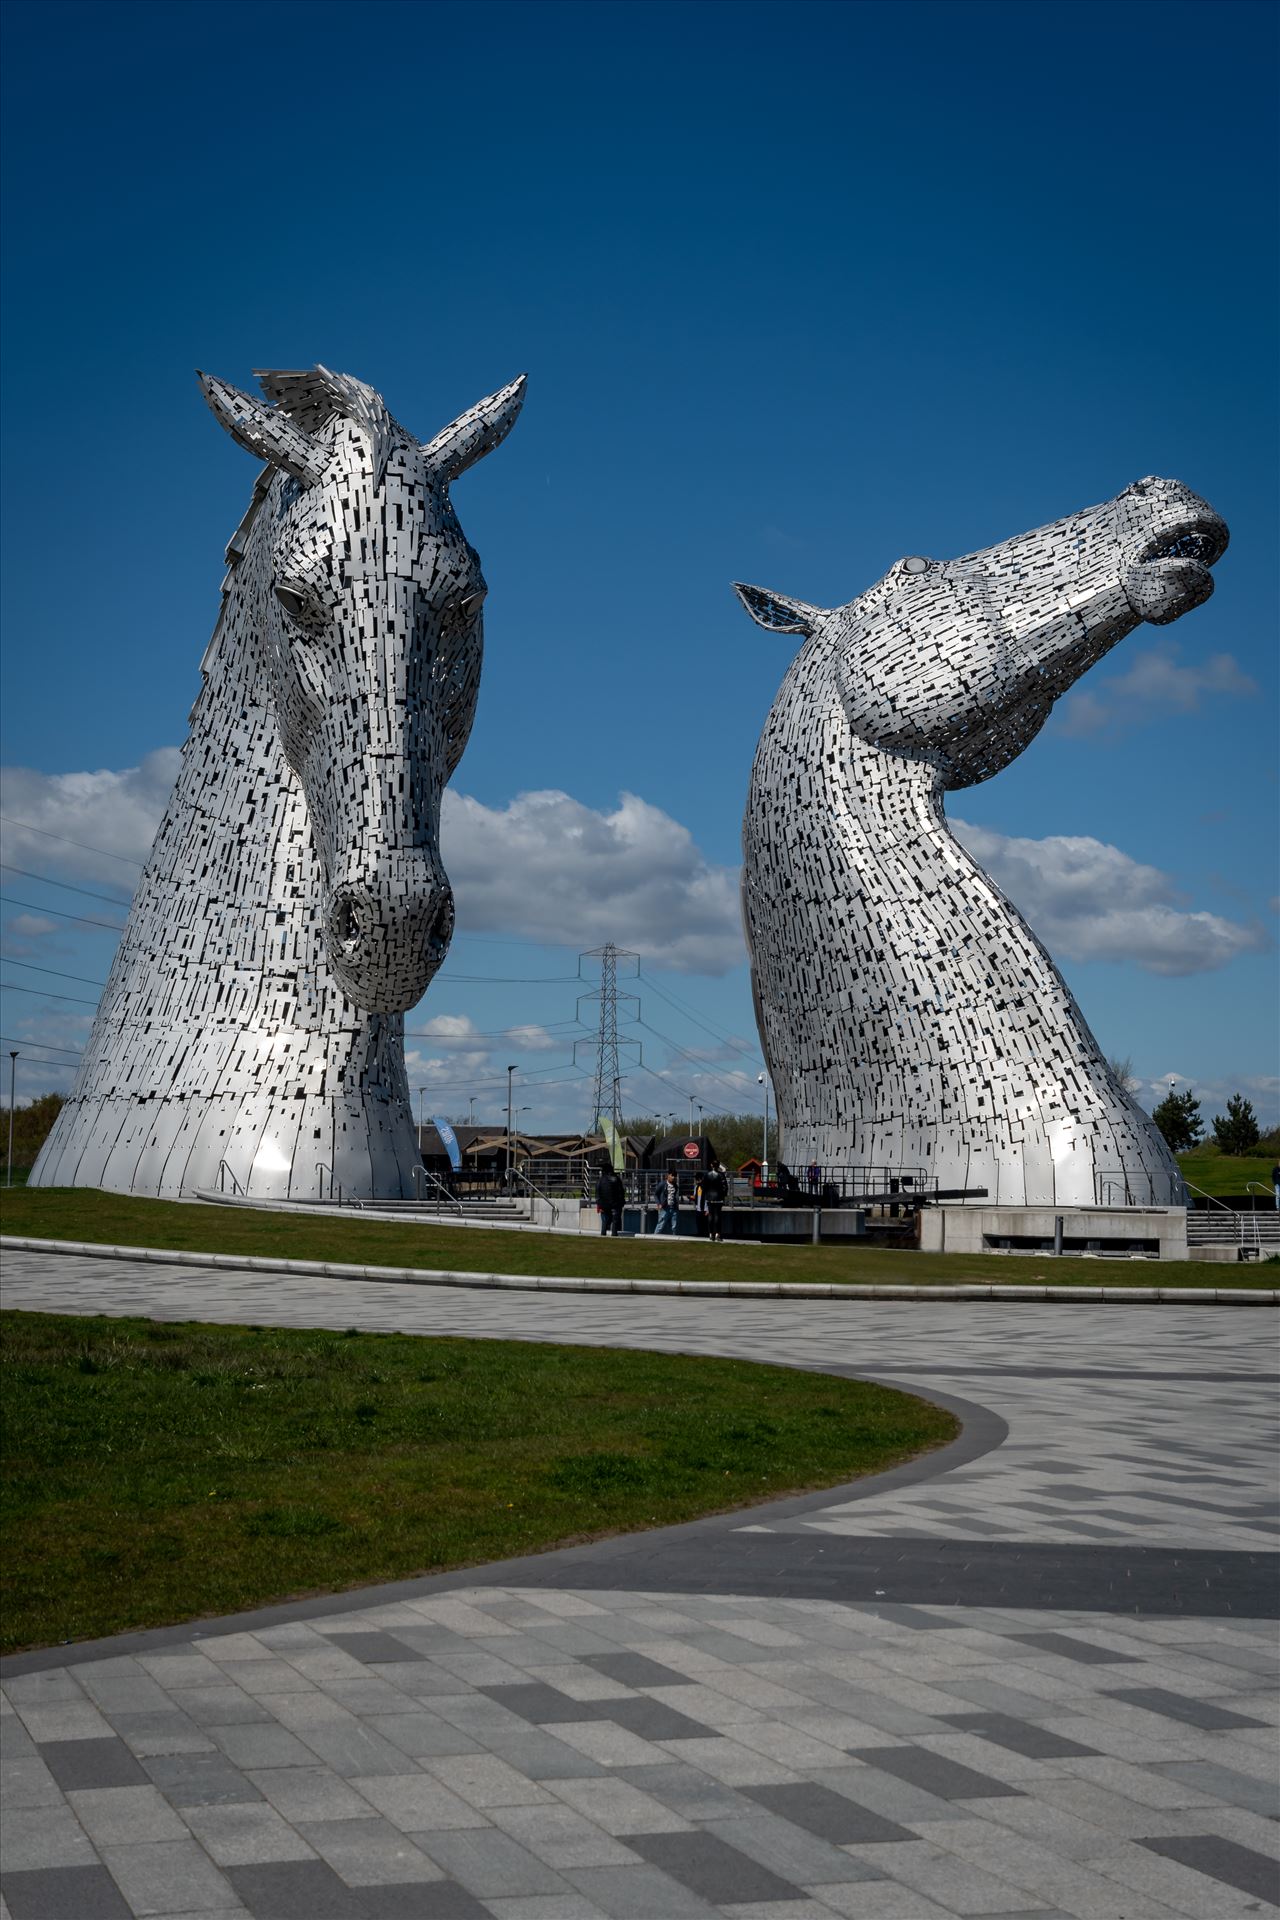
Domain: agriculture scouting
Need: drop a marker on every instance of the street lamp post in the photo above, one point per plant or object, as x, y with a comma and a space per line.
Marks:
13, 1067
422, 1116
691, 1116
763, 1080
510, 1072
471, 1117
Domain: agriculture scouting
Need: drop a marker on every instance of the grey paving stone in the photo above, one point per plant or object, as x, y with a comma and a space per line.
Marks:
562, 1837
639, 1893
117, 1816
263, 1746
633, 1669
309, 1793
414, 1801
418, 1900
686, 1790
1252, 1873
1019, 1736
832, 1816
889, 1796
221, 1706
297, 1890
1226, 1783
711, 1868
91, 1763
619, 1808
239, 1836
167, 1876
487, 1863
65, 1893
1178, 1706
200, 1779
367, 1852
1072, 1649
419, 1733
538, 1703
934, 1772
373, 1646
28, 1783
172, 1732
49, 1836
540, 1755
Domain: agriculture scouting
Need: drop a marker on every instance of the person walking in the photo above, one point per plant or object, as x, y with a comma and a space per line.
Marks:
669, 1206
610, 1194
715, 1191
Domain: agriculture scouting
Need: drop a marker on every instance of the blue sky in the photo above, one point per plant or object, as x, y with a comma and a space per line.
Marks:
799, 289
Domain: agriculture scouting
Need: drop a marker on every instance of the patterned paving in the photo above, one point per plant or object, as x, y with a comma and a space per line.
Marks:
488, 1746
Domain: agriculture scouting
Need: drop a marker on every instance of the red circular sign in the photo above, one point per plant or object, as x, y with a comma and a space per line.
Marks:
691, 1150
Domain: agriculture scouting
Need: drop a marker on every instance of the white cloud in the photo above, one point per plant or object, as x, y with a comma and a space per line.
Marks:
114, 812
25, 927
547, 867
1154, 684
1089, 901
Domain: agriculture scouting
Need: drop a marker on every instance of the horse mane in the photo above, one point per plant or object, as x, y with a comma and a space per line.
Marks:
312, 396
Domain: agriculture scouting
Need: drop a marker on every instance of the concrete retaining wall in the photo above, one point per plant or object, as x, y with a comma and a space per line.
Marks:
1158, 1232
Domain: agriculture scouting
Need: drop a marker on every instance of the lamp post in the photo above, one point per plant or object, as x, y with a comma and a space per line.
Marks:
510, 1072
691, 1116
471, 1117
422, 1116
762, 1079
13, 1067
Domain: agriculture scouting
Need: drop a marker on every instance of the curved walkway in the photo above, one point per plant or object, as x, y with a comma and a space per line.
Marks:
1025, 1677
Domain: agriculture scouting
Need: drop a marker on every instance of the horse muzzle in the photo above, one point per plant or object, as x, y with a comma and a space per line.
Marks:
386, 942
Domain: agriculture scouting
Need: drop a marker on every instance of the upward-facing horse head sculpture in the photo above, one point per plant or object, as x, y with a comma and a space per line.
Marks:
295, 903
909, 1015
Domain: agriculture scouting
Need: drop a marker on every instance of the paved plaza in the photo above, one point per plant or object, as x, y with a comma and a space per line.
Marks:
1031, 1677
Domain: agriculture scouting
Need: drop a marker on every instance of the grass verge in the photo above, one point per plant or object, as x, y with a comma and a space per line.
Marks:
158, 1472
82, 1213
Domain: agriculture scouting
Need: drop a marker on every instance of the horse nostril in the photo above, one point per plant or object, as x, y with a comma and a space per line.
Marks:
345, 924
440, 926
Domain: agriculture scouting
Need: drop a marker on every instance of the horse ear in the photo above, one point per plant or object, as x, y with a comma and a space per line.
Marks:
475, 433
265, 431
775, 610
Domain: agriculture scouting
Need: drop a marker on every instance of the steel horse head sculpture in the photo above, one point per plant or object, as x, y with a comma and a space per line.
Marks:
295, 903
909, 1016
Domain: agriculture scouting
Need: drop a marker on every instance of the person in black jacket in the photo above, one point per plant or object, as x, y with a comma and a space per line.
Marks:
715, 1191
610, 1194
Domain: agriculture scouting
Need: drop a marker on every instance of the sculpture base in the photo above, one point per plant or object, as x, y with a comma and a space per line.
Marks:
1159, 1233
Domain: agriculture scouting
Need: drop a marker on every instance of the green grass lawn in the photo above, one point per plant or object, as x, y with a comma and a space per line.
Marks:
1216, 1173
81, 1213
156, 1473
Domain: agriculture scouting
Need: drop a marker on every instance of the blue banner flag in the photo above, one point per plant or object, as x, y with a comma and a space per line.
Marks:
448, 1140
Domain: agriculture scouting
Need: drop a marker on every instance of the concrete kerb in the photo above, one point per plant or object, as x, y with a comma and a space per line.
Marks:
702, 1289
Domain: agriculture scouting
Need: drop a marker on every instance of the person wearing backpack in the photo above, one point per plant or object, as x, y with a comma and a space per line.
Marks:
715, 1191
610, 1195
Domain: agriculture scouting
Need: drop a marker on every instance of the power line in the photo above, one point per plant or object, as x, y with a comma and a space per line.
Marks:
725, 1039
701, 1065
47, 833
42, 993
58, 914
47, 880
46, 1046
11, 960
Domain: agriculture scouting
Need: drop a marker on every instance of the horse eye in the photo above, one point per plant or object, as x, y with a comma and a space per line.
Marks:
916, 563
295, 604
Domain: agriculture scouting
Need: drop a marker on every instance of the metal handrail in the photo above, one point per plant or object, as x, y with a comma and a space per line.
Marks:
225, 1168
1212, 1198
425, 1173
518, 1173
335, 1186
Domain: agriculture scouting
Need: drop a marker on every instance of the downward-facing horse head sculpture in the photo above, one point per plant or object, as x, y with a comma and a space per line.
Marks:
295, 903
908, 1014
